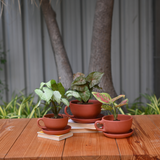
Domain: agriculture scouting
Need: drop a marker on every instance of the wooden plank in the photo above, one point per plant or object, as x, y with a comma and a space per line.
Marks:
29, 146
155, 119
90, 146
10, 129
144, 143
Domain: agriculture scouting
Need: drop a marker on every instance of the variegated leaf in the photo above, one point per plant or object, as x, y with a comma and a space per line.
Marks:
85, 96
106, 107
102, 97
94, 78
79, 81
77, 75
116, 98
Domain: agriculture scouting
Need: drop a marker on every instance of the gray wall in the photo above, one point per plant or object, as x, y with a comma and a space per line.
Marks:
30, 59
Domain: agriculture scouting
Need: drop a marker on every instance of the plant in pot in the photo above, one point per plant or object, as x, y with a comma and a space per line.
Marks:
53, 94
81, 88
115, 123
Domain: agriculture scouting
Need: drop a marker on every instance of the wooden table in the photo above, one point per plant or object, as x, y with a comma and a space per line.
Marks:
18, 140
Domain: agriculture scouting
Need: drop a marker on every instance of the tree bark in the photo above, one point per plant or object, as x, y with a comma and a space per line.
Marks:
64, 69
100, 59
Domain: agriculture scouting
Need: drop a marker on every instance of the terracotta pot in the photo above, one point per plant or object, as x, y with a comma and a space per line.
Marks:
122, 126
52, 123
85, 111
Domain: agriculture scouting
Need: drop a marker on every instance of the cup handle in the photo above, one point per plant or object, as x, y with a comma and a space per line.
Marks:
65, 110
40, 119
99, 129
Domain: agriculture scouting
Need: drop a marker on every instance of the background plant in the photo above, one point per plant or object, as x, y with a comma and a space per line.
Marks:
82, 87
22, 106
140, 108
54, 95
109, 103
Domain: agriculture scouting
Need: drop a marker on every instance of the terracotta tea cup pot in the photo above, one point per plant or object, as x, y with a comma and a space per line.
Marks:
53, 123
84, 111
123, 125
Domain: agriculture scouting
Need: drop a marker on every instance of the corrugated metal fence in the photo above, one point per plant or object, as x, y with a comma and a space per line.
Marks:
25, 40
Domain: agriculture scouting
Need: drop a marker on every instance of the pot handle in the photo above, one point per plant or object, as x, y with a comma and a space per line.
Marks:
65, 110
99, 129
40, 119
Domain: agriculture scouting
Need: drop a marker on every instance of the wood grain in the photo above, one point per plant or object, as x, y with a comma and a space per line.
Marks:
90, 146
29, 146
143, 144
10, 129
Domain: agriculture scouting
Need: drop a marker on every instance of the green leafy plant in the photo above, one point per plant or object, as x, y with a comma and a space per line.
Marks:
109, 103
21, 106
140, 108
54, 95
82, 87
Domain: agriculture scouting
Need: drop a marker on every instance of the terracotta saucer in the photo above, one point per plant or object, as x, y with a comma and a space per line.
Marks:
80, 120
123, 135
57, 132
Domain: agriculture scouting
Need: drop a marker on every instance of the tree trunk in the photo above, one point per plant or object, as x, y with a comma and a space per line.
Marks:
65, 73
100, 59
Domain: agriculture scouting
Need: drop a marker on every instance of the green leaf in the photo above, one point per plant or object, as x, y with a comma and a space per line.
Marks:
80, 88
79, 81
55, 87
85, 96
56, 96
46, 95
102, 97
72, 93
61, 89
65, 101
48, 84
94, 78
33, 110
106, 107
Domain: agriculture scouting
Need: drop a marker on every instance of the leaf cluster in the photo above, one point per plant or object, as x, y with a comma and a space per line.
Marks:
140, 108
22, 106
82, 87
110, 103
53, 94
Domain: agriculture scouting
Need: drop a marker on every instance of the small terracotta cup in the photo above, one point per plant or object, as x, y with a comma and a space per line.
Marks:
52, 123
84, 111
108, 125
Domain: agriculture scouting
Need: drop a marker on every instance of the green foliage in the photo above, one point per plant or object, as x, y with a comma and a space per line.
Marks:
141, 108
82, 87
109, 103
22, 107
53, 94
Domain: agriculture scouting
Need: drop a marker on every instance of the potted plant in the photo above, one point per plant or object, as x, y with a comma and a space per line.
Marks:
115, 123
81, 88
54, 96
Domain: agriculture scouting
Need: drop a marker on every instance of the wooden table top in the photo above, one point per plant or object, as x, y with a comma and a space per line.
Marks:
18, 140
